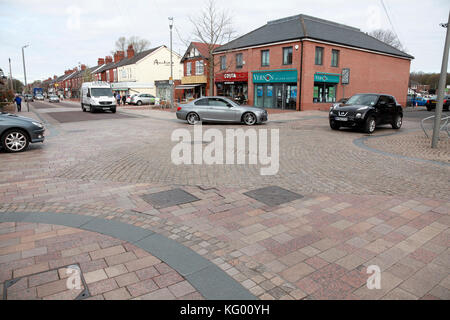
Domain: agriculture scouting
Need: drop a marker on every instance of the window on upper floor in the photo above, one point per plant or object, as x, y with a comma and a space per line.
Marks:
287, 55
223, 62
265, 58
199, 67
239, 60
188, 69
319, 56
335, 58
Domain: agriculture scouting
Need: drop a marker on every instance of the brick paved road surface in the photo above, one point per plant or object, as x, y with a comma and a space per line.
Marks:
362, 204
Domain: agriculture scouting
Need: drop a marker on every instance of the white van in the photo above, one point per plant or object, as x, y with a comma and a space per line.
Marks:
97, 96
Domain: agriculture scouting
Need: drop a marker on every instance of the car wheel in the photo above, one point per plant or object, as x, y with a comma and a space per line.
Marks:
15, 140
113, 110
249, 118
83, 108
334, 125
192, 118
370, 125
429, 108
139, 103
91, 109
397, 123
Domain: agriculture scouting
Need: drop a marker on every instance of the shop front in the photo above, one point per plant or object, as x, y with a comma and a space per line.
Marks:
275, 89
233, 85
325, 87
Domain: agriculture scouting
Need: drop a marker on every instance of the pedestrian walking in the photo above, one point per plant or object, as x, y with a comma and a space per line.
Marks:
124, 99
18, 101
118, 99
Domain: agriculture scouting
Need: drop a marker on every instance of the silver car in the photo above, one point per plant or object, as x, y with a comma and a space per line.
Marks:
144, 98
220, 109
53, 98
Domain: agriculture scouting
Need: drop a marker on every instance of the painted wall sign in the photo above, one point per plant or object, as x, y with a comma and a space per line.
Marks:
231, 77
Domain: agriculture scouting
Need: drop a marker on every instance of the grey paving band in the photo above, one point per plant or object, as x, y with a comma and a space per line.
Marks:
360, 142
212, 282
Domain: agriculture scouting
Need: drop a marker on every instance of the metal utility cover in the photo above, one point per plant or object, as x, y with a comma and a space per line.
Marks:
165, 199
273, 195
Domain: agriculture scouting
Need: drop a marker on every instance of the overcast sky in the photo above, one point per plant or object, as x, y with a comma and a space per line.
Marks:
63, 33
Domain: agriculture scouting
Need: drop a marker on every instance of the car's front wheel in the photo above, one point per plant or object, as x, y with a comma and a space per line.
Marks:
249, 119
192, 118
370, 125
113, 110
429, 108
15, 140
83, 108
397, 122
139, 103
334, 125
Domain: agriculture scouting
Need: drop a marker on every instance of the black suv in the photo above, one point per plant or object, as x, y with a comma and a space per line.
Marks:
366, 111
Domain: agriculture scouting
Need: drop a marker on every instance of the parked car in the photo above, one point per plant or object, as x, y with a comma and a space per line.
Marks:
144, 98
16, 132
431, 103
53, 98
28, 97
366, 111
39, 97
97, 95
220, 109
128, 99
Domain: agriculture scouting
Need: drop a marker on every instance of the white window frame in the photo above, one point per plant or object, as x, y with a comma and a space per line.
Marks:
199, 67
188, 69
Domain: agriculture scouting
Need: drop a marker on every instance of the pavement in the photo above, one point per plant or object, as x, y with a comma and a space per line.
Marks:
341, 202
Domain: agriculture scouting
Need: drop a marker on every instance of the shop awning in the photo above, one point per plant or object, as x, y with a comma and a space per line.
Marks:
187, 86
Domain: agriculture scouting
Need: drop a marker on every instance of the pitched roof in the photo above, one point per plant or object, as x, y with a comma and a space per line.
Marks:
137, 57
303, 26
203, 49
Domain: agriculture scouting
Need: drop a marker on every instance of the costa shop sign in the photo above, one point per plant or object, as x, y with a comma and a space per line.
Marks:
232, 77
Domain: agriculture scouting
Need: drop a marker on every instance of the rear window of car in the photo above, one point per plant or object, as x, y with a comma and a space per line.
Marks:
202, 102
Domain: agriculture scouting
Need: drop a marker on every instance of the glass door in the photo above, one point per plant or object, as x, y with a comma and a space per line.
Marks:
279, 96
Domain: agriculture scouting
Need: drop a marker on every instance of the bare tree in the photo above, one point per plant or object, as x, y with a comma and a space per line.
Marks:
388, 37
138, 44
88, 76
212, 27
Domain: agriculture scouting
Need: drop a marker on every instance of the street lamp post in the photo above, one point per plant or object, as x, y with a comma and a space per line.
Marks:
442, 80
171, 64
25, 75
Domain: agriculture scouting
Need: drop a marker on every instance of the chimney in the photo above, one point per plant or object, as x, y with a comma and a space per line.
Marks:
118, 56
83, 67
108, 59
101, 61
130, 51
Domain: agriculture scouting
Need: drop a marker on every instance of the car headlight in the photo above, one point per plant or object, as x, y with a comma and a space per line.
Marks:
37, 124
358, 115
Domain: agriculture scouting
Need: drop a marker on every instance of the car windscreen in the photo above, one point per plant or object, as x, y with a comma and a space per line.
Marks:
101, 92
363, 99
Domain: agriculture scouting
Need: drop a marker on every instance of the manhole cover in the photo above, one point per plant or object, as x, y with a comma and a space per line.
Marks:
169, 198
63, 283
273, 195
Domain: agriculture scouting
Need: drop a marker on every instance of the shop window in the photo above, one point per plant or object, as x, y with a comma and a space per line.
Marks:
335, 58
199, 68
188, 69
223, 62
319, 56
239, 61
287, 55
265, 58
324, 92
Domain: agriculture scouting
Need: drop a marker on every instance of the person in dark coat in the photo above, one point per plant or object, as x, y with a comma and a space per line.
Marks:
124, 99
18, 101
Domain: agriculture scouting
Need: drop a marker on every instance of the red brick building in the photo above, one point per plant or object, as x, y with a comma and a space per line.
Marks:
306, 63
195, 80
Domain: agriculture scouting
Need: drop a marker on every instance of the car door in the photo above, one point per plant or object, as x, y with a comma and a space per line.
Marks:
220, 110
391, 109
201, 107
382, 111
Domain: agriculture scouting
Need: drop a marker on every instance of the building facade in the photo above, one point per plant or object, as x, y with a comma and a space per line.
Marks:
306, 63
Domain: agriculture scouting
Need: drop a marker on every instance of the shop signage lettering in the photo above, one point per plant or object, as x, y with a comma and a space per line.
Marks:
232, 76
275, 76
330, 78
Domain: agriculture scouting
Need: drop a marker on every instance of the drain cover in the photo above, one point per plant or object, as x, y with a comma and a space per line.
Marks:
273, 195
169, 198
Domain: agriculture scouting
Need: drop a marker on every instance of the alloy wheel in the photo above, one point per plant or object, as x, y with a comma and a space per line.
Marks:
16, 141
192, 118
249, 119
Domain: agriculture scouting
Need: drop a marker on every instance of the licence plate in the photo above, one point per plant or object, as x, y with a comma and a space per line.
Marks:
341, 119
105, 108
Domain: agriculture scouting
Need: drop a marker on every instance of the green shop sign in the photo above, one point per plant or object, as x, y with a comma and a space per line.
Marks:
275, 76
326, 77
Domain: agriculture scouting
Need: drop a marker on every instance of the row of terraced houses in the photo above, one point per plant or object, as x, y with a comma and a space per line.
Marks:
299, 63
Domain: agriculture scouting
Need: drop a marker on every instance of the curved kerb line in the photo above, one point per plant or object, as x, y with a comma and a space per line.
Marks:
212, 282
360, 142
